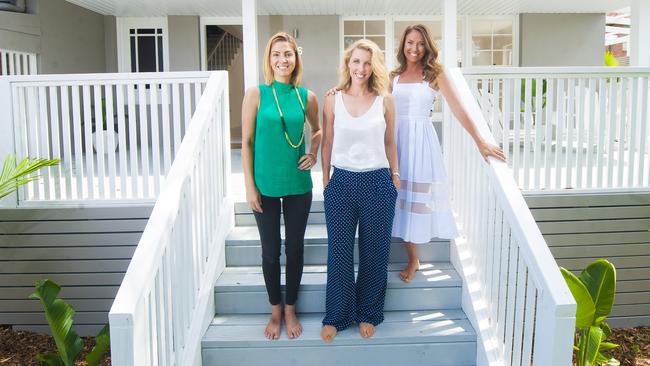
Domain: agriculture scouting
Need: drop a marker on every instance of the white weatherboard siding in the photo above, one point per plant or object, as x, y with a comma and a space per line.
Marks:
85, 250
582, 228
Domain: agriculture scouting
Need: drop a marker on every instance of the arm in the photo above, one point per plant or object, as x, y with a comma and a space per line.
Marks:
308, 160
458, 109
249, 114
328, 138
389, 139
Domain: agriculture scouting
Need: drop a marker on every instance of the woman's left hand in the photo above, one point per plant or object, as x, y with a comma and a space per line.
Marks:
307, 161
487, 150
397, 182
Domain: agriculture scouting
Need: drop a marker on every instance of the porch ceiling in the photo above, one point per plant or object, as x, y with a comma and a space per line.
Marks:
230, 8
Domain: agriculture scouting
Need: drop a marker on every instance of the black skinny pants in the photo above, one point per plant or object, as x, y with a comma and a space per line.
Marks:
295, 209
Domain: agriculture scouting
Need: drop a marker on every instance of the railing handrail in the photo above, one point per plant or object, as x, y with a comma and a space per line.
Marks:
149, 249
119, 78
561, 71
555, 306
536, 251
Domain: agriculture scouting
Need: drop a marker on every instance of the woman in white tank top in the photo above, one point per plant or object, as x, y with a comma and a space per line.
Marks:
359, 142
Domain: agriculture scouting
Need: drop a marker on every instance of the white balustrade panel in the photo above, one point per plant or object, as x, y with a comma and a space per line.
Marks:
17, 63
165, 302
521, 305
116, 134
567, 128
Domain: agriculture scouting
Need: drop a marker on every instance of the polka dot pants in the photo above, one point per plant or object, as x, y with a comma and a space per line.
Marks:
366, 199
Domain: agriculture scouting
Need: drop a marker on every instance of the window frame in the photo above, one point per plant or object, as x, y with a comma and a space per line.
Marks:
467, 38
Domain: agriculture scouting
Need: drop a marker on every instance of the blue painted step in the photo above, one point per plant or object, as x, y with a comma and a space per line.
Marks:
240, 290
243, 248
436, 337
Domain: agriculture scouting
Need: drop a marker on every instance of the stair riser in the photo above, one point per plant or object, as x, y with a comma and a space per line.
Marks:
317, 254
243, 208
439, 354
314, 301
249, 219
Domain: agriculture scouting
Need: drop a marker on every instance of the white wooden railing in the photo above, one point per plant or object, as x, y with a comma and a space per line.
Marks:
17, 63
166, 300
513, 291
569, 128
141, 120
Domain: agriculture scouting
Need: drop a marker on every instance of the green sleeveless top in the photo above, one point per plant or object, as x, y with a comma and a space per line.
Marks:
275, 164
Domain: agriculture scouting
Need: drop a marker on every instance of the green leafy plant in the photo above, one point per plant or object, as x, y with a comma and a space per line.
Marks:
14, 176
533, 96
594, 291
68, 343
610, 60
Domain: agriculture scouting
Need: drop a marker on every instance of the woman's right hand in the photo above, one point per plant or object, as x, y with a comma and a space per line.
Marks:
254, 199
326, 181
331, 91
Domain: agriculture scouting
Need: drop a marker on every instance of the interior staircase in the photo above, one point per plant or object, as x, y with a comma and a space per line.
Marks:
424, 323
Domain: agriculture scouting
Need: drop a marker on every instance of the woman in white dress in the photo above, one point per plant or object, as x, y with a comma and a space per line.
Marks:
423, 210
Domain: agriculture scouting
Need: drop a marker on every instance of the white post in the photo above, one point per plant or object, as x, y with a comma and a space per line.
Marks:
448, 59
249, 28
7, 141
640, 28
449, 33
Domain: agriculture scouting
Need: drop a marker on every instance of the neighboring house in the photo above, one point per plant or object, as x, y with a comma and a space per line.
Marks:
576, 139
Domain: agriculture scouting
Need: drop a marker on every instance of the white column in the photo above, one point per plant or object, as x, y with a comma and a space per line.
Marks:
639, 31
449, 33
249, 28
7, 141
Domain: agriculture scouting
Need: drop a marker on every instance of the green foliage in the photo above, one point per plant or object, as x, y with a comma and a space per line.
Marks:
59, 316
594, 292
68, 343
533, 96
102, 342
14, 176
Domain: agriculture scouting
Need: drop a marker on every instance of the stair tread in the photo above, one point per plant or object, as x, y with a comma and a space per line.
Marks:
399, 327
248, 279
315, 234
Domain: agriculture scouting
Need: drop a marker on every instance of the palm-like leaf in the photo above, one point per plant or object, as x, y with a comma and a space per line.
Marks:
586, 308
102, 342
14, 176
59, 316
600, 279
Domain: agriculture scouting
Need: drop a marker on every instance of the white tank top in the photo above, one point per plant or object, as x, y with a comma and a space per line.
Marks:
359, 141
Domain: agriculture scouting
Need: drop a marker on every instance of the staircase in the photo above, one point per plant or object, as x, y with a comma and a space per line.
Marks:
223, 46
423, 320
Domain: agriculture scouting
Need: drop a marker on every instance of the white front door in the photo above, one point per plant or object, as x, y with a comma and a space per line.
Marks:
142, 44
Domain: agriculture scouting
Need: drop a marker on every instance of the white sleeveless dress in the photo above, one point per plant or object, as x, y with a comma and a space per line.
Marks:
422, 210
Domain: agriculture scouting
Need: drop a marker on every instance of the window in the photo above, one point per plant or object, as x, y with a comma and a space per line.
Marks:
435, 27
491, 42
374, 30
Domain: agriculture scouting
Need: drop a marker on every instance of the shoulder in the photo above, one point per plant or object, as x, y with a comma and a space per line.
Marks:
311, 96
254, 92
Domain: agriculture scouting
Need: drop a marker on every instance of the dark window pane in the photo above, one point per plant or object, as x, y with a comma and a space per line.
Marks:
146, 31
134, 67
146, 54
159, 31
131, 31
160, 54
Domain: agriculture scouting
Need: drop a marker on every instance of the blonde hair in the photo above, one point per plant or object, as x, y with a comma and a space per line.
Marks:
430, 63
378, 81
296, 75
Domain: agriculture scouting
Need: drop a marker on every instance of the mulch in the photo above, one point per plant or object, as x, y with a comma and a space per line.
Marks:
19, 348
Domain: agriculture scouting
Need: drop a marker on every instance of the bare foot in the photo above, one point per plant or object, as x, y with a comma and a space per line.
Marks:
293, 327
272, 330
407, 274
328, 333
367, 330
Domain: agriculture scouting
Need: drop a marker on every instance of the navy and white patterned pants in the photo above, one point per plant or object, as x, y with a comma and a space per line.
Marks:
366, 199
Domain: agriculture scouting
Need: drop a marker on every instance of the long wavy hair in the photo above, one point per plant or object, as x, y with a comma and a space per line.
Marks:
296, 75
431, 65
378, 81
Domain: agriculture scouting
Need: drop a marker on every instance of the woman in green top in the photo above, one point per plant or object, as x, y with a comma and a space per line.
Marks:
277, 171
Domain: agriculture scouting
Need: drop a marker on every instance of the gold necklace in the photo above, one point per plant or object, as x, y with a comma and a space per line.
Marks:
284, 123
